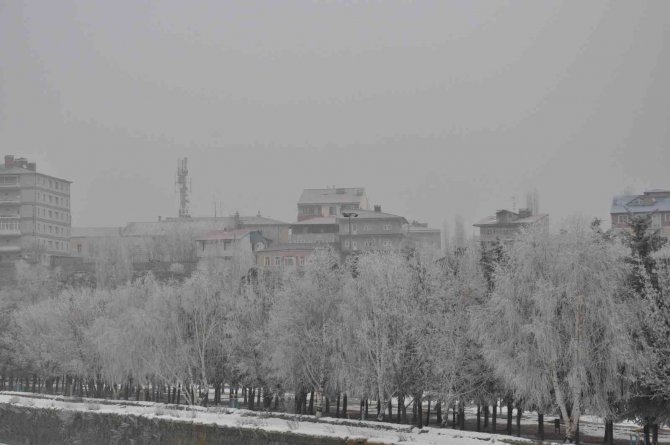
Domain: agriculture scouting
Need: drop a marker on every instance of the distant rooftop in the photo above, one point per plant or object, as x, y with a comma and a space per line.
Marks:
319, 220
510, 218
373, 214
655, 200
95, 232
291, 246
332, 196
226, 234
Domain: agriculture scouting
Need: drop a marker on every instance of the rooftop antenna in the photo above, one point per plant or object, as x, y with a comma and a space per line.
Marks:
184, 185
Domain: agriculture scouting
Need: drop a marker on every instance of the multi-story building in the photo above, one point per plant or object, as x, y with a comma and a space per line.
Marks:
319, 230
314, 203
505, 225
284, 256
421, 235
370, 230
35, 215
653, 202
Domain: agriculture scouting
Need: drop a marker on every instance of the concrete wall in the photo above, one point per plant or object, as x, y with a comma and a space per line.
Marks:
27, 425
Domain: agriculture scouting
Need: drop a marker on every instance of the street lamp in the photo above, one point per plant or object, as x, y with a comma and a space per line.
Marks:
349, 215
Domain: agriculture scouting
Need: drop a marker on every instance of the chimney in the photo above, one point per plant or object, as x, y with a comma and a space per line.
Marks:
32, 166
378, 208
21, 162
9, 161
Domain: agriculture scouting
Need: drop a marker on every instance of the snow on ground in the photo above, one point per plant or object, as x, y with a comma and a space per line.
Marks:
326, 427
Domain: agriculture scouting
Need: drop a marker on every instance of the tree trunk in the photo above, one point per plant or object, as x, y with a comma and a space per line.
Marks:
510, 408
344, 406
646, 432
361, 409
461, 415
518, 421
311, 403
251, 398
479, 418
655, 434
438, 413
453, 417
337, 406
428, 414
366, 408
486, 416
419, 411
540, 426
494, 418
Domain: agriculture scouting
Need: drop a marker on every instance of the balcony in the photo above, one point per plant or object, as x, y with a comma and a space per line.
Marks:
10, 249
10, 226
9, 185
10, 200
313, 238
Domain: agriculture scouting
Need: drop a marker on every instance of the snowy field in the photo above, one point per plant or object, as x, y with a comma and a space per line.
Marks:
308, 425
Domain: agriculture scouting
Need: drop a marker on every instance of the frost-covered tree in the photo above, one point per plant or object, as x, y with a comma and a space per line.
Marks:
305, 326
557, 324
377, 317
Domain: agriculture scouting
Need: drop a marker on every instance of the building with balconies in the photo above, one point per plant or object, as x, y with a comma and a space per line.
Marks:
320, 230
370, 230
35, 217
330, 202
655, 203
505, 225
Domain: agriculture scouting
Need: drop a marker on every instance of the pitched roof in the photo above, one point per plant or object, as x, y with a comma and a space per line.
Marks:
625, 204
198, 225
95, 232
332, 196
226, 234
493, 221
319, 220
371, 214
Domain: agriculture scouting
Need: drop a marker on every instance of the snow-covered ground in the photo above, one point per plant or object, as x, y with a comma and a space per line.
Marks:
308, 425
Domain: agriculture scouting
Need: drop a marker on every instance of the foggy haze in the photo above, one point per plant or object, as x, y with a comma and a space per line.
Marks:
436, 108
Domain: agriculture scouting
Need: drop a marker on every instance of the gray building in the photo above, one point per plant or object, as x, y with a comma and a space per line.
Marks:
35, 217
505, 225
371, 230
652, 202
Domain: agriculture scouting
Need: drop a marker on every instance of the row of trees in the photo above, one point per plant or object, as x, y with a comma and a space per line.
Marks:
575, 321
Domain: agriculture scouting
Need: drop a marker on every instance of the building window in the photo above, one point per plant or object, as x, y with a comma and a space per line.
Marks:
50, 214
387, 227
370, 243
277, 261
366, 228
666, 217
302, 260
346, 243
289, 261
388, 244
354, 245
353, 227
331, 210
51, 198
266, 260
623, 219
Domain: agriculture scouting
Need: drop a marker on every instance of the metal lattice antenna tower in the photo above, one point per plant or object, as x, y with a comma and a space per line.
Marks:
184, 187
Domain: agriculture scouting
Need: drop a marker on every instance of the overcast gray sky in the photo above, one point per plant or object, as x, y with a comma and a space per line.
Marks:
437, 108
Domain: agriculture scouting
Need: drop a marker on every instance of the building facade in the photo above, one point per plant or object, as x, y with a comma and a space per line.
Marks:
319, 230
653, 202
330, 202
422, 236
505, 225
35, 216
284, 256
371, 230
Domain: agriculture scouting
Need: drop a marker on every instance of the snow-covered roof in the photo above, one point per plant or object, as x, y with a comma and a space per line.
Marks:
493, 221
371, 214
95, 232
319, 220
641, 203
226, 234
